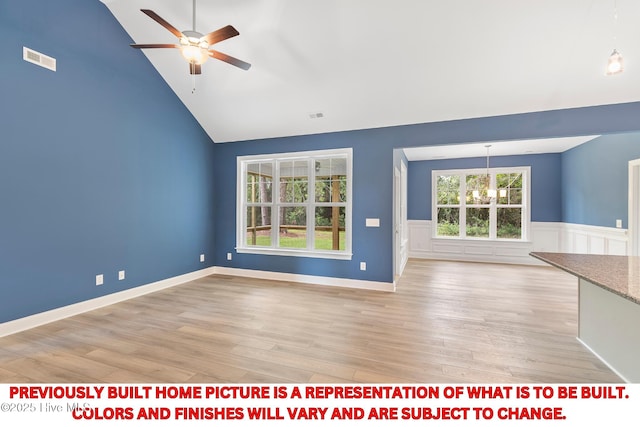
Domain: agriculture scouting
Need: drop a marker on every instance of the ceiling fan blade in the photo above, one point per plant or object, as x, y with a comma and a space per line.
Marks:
155, 45
220, 35
229, 59
195, 69
151, 14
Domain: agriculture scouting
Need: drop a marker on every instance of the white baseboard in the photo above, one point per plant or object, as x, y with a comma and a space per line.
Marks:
39, 319
614, 370
303, 278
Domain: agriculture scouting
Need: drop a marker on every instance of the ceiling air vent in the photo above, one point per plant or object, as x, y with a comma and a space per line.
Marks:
38, 58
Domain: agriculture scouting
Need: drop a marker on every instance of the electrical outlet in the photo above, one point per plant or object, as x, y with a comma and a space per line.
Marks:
121, 275
201, 257
99, 279
363, 266
229, 256
618, 223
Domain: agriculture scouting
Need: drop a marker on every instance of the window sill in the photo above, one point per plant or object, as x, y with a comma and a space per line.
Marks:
297, 253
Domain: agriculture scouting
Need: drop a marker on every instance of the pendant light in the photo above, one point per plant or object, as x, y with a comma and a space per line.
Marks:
615, 63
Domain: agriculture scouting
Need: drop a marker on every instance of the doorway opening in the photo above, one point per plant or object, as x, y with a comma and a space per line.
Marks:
634, 208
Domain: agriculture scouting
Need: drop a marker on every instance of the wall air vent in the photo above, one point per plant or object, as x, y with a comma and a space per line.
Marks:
38, 58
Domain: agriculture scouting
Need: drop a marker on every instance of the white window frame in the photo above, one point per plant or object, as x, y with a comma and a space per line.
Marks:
492, 206
311, 204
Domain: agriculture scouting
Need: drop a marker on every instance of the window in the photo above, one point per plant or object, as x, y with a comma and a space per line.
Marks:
295, 204
463, 207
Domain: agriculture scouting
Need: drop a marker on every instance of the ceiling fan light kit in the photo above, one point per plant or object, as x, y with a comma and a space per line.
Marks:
193, 48
193, 45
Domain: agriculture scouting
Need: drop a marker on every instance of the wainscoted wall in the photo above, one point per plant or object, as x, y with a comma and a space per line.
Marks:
545, 237
591, 239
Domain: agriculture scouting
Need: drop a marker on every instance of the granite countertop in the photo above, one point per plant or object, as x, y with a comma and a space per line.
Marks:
615, 273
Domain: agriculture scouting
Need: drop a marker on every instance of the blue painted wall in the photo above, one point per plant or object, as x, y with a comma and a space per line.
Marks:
595, 180
372, 180
102, 168
545, 183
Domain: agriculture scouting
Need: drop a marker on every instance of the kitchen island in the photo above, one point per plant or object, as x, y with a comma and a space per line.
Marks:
609, 306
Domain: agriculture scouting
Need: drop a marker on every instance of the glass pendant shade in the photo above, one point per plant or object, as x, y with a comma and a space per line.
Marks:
194, 54
615, 63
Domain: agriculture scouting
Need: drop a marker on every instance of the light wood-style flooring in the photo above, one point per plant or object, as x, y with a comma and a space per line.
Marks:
448, 322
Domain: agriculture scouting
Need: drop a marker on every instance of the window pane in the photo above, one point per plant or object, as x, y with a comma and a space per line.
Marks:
330, 228
293, 227
509, 188
448, 222
478, 222
515, 196
448, 187
509, 223
258, 226
323, 190
294, 181
259, 182
477, 186
331, 180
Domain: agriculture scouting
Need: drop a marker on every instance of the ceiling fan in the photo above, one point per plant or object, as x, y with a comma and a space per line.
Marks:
194, 45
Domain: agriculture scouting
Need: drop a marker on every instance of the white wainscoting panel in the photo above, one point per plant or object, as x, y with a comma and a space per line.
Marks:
422, 244
545, 237
590, 239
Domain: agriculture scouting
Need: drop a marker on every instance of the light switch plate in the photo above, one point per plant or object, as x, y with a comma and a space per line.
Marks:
373, 222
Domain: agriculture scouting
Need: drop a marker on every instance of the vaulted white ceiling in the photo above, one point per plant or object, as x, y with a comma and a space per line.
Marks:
376, 63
